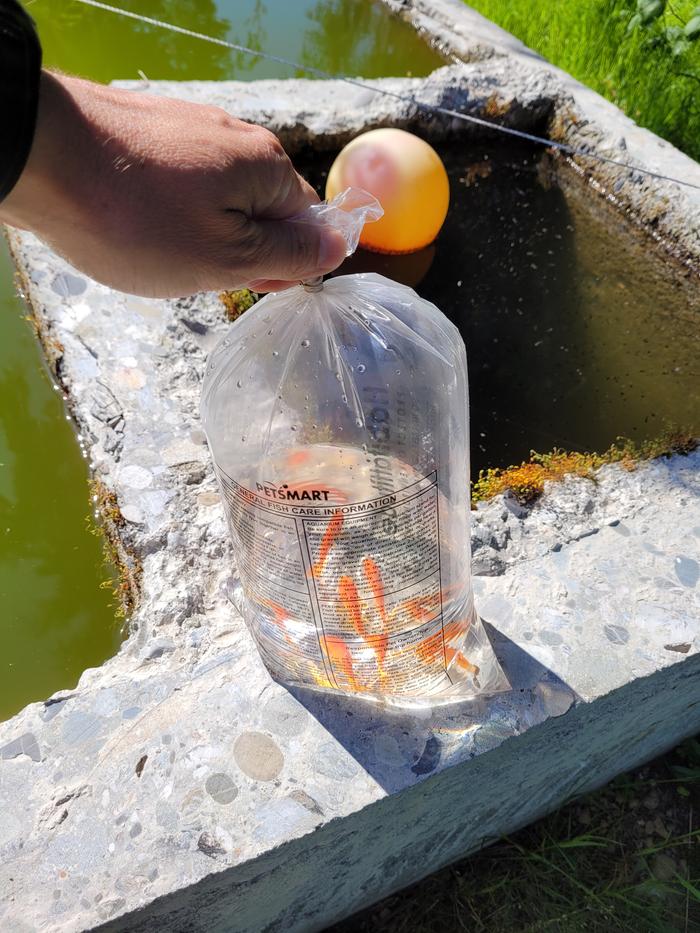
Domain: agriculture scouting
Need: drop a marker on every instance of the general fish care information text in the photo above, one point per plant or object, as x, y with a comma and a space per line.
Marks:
352, 590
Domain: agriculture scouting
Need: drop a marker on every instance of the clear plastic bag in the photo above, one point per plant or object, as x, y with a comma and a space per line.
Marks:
336, 415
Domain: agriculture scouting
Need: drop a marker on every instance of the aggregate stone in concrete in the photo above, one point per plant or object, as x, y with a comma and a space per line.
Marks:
178, 787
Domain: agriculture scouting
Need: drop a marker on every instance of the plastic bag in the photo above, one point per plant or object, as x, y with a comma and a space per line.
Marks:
336, 415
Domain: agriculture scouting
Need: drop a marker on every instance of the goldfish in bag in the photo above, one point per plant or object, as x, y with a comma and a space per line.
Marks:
337, 417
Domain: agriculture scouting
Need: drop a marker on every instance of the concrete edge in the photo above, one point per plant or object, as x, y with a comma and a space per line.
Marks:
392, 839
583, 119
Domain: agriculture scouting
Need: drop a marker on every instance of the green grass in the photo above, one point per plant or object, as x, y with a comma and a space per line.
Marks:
638, 71
625, 859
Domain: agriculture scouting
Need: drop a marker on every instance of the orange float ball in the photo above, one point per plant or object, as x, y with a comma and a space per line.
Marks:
407, 177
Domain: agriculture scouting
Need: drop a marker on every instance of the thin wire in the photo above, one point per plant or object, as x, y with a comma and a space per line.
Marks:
365, 85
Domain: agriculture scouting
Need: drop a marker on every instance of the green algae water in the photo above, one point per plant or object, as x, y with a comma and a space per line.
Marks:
56, 615
354, 37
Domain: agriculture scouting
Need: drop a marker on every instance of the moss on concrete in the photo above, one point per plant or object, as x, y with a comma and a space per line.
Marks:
127, 583
527, 480
237, 301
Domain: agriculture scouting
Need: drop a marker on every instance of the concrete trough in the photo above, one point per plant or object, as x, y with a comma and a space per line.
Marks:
177, 787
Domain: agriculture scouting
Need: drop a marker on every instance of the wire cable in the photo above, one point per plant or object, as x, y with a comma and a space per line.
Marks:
365, 85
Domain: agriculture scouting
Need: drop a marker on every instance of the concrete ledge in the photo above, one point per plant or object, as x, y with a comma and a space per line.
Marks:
327, 114
308, 883
579, 116
458, 30
177, 787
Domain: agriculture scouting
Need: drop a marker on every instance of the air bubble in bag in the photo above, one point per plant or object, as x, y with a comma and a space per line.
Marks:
337, 418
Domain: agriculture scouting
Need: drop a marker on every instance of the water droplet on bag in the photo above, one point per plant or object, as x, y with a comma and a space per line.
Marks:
269, 333
359, 422
305, 343
275, 353
243, 438
338, 376
239, 384
292, 427
361, 367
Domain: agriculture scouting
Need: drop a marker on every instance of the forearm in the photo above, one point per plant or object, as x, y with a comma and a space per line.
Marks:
60, 180
38, 197
161, 197
20, 64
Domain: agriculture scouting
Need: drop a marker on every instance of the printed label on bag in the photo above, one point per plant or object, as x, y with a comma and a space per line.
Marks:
346, 595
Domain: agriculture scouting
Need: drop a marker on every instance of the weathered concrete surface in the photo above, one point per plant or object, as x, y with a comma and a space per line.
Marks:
327, 114
457, 30
578, 116
178, 788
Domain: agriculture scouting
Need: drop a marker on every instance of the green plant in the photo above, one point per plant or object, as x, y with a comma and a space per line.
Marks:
125, 585
644, 56
673, 38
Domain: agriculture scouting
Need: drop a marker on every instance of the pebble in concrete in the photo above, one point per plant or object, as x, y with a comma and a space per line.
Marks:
258, 756
221, 788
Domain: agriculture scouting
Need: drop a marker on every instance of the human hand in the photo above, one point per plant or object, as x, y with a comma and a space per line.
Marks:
164, 198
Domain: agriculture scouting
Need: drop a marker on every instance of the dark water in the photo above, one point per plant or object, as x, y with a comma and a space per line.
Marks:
55, 619
578, 329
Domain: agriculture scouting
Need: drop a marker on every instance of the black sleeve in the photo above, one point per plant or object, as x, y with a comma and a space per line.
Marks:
20, 67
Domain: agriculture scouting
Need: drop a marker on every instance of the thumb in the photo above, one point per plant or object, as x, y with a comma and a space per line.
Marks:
290, 251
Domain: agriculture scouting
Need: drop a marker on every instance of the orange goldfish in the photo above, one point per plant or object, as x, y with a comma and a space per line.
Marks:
279, 617
430, 648
374, 578
296, 458
350, 601
417, 609
456, 657
341, 660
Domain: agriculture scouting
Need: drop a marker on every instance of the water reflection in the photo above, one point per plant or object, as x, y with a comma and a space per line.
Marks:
252, 33
102, 46
360, 38
351, 38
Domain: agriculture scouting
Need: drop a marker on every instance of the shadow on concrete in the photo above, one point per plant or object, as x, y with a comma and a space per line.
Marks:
400, 747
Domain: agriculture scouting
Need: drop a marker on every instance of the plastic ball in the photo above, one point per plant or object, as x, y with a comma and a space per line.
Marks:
407, 177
